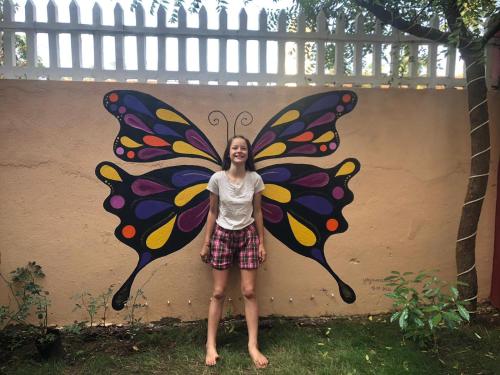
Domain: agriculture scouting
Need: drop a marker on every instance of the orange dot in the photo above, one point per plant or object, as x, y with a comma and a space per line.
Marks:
323, 148
128, 231
130, 154
332, 225
113, 97
346, 98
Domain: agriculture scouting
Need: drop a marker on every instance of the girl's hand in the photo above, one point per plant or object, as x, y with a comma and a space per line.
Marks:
262, 253
205, 252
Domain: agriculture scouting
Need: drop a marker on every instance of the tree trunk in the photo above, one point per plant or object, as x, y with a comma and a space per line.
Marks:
479, 170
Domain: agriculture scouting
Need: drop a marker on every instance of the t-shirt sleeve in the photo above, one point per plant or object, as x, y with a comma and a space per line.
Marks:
213, 184
259, 184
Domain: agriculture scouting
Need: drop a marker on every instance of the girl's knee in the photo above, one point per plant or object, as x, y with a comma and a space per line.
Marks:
248, 292
218, 294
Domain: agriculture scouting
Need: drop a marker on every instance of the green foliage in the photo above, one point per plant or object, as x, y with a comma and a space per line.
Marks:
29, 297
422, 308
92, 305
133, 306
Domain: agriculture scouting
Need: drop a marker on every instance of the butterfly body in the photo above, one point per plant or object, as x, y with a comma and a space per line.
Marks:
164, 210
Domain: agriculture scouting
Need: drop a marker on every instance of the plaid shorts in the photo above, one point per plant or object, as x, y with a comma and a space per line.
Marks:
238, 246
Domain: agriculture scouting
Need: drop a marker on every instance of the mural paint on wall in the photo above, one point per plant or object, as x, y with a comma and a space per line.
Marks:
165, 209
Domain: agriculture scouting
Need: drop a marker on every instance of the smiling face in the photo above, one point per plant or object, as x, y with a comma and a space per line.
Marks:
238, 151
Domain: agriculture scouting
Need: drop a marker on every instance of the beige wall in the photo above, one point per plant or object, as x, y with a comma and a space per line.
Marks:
413, 147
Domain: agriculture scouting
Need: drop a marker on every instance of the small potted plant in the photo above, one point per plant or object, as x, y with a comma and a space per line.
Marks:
28, 294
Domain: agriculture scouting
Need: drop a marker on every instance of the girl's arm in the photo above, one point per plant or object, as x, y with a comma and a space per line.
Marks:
212, 216
259, 223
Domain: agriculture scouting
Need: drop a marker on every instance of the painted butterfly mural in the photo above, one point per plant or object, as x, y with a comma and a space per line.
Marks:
165, 209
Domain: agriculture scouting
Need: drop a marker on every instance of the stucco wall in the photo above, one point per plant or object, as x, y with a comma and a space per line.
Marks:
413, 147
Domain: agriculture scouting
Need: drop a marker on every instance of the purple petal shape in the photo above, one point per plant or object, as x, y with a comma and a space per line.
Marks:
265, 140
314, 180
188, 177
279, 174
327, 117
304, 149
150, 153
328, 101
165, 130
132, 102
148, 208
292, 129
317, 204
192, 218
197, 141
143, 187
136, 122
272, 213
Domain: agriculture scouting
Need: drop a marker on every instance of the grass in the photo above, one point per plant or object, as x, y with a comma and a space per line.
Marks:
294, 346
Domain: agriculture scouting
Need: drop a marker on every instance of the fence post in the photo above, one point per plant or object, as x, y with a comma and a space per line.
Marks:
30, 19
202, 43
53, 38
263, 45
76, 47
97, 39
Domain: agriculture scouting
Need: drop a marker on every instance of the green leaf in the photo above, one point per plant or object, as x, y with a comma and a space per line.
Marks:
395, 316
454, 291
436, 319
463, 312
403, 319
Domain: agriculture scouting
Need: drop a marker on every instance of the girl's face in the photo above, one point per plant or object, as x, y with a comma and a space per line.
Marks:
238, 151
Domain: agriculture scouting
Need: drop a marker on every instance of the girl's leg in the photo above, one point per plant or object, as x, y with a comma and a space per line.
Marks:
248, 281
220, 278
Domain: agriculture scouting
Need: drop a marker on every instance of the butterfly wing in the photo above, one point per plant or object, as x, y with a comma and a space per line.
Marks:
302, 207
304, 128
160, 212
153, 130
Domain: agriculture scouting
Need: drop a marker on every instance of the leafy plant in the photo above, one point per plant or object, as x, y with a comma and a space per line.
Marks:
88, 303
92, 305
422, 308
28, 295
133, 305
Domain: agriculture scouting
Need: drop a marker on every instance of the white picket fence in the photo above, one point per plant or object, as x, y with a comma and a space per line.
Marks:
370, 63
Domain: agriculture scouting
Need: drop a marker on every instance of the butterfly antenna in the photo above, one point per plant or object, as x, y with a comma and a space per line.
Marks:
214, 119
244, 118
346, 292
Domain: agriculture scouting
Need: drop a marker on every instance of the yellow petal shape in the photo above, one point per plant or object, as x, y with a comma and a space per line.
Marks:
189, 193
130, 143
277, 193
287, 117
302, 234
326, 137
167, 115
274, 149
182, 147
346, 169
110, 173
160, 236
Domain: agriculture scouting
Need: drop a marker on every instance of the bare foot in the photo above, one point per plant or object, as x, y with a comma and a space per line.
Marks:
258, 358
211, 357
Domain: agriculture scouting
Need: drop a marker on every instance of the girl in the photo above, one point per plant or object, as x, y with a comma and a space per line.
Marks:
235, 233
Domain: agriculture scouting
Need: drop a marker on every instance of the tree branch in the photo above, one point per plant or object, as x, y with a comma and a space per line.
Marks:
413, 28
492, 29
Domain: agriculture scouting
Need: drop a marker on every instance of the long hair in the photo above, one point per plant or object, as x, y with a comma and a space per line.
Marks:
226, 161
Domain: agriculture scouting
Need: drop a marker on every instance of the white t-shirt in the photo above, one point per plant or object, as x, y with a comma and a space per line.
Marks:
235, 200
